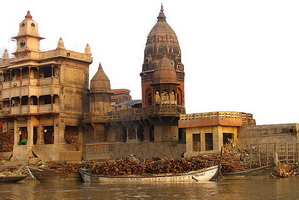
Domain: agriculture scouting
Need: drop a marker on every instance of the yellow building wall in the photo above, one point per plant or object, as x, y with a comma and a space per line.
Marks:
217, 132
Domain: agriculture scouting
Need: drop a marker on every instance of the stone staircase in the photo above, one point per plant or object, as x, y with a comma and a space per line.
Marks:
41, 153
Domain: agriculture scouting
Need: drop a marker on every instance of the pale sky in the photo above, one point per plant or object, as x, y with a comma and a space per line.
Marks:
238, 55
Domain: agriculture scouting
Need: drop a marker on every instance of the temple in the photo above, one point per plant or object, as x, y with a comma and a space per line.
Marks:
55, 113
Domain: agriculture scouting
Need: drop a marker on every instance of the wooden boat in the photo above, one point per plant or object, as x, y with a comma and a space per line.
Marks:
206, 174
256, 173
51, 175
11, 178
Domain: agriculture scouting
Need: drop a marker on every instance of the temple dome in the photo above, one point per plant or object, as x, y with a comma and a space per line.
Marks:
165, 72
100, 83
161, 39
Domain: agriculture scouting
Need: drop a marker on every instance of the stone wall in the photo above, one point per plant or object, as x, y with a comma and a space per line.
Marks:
275, 133
147, 150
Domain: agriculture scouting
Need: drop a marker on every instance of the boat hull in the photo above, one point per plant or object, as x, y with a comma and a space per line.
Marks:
193, 176
11, 178
50, 175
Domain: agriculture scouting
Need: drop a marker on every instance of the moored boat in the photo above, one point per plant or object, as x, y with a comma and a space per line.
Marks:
11, 178
51, 175
256, 173
205, 174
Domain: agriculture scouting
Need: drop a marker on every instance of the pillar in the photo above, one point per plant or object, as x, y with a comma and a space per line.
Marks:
30, 131
16, 133
59, 127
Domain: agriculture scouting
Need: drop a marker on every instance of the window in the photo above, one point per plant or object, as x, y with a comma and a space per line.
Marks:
196, 142
182, 135
209, 141
45, 99
227, 137
24, 100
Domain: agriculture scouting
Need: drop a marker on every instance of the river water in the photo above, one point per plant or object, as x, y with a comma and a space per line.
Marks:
284, 189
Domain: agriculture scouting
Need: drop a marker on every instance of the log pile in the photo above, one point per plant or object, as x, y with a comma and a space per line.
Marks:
65, 167
6, 141
133, 166
14, 171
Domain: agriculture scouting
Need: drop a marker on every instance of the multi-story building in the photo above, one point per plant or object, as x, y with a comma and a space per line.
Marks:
54, 114
43, 94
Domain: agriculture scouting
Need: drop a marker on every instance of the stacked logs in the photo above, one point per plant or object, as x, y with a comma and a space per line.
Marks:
14, 171
134, 166
6, 141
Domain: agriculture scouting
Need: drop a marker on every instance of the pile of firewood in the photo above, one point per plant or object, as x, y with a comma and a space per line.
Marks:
14, 171
167, 165
6, 141
65, 167
133, 166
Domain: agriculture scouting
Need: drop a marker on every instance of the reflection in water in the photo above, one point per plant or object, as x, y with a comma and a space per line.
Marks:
223, 190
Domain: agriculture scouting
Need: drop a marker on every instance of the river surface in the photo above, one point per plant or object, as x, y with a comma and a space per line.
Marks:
284, 189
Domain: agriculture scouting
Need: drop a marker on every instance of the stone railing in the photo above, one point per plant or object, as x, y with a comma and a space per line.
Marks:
54, 53
66, 53
32, 109
141, 113
216, 114
137, 113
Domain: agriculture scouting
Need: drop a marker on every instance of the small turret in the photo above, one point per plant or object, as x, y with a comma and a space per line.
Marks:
87, 49
60, 44
28, 38
5, 55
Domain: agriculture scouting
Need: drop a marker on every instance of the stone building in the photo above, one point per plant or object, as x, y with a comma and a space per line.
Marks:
150, 130
44, 94
54, 114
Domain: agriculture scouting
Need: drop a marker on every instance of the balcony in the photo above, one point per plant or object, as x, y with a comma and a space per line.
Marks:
142, 113
15, 110
48, 108
32, 109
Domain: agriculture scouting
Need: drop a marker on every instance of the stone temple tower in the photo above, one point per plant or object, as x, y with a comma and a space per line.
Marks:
100, 93
162, 70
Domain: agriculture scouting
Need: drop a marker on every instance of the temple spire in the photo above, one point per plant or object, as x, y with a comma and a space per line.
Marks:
28, 16
161, 16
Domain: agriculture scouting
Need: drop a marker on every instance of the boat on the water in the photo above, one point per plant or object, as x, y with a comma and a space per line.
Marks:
205, 174
11, 178
256, 173
51, 175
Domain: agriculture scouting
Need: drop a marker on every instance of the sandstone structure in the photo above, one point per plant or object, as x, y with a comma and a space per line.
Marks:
54, 114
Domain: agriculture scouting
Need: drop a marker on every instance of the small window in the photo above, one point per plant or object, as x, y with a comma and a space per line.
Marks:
23, 24
209, 141
32, 24
227, 138
196, 142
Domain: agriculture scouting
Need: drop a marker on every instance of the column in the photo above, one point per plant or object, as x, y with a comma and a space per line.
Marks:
59, 128
16, 133
30, 132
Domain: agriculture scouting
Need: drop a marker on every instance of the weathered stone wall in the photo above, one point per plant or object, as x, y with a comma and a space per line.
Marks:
276, 133
217, 132
147, 150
